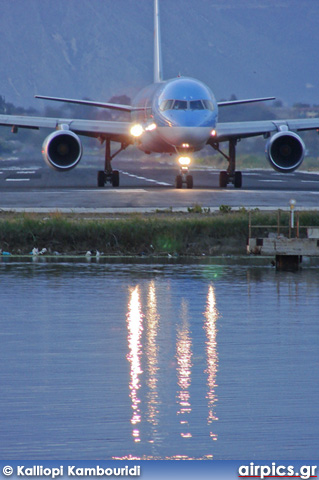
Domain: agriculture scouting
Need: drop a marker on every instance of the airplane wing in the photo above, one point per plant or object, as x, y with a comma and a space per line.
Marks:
228, 130
116, 131
228, 103
112, 106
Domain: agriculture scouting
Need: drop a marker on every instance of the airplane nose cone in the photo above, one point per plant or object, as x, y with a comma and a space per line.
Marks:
194, 137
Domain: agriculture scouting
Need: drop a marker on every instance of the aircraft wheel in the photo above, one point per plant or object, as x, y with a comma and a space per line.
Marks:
189, 181
115, 178
223, 179
100, 178
179, 181
238, 180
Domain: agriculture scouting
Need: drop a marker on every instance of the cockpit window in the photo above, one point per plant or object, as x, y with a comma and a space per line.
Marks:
208, 104
166, 105
185, 105
180, 105
196, 105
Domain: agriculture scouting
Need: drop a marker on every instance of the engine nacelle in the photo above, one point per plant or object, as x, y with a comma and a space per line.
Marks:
62, 150
285, 151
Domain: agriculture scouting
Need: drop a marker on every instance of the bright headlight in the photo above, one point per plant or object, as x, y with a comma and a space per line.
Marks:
137, 130
184, 161
151, 127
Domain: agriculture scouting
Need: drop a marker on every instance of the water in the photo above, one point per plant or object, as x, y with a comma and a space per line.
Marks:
103, 361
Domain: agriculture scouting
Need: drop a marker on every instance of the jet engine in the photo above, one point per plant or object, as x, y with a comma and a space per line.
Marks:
285, 151
62, 150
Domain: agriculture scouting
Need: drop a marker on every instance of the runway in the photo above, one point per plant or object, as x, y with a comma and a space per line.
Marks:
29, 185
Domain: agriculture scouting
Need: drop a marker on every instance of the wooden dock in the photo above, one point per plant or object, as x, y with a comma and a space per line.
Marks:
283, 246
287, 250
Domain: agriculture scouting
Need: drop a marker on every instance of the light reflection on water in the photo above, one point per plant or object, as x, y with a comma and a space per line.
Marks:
136, 323
211, 316
152, 359
135, 328
158, 361
184, 369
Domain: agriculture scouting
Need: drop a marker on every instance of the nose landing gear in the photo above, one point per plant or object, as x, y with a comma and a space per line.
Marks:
184, 177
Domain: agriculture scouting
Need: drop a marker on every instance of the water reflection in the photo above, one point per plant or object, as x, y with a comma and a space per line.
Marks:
148, 367
117, 361
152, 357
211, 316
135, 328
184, 369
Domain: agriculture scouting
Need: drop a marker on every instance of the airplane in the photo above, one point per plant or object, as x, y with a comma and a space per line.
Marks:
176, 116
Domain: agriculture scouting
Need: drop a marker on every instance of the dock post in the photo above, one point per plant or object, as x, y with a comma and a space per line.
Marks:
288, 262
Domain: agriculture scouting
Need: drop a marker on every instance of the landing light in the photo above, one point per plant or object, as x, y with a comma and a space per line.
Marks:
184, 161
151, 127
213, 133
137, 130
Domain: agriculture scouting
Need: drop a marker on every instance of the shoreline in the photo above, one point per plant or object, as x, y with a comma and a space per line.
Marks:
196, 233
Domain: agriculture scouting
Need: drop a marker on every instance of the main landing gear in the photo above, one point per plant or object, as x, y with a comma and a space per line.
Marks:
103, 178
108, 175
230, 175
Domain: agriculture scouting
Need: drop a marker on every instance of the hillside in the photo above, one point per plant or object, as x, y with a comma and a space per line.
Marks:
100, 48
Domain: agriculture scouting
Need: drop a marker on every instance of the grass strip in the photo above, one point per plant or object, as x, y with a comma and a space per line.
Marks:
187, 234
